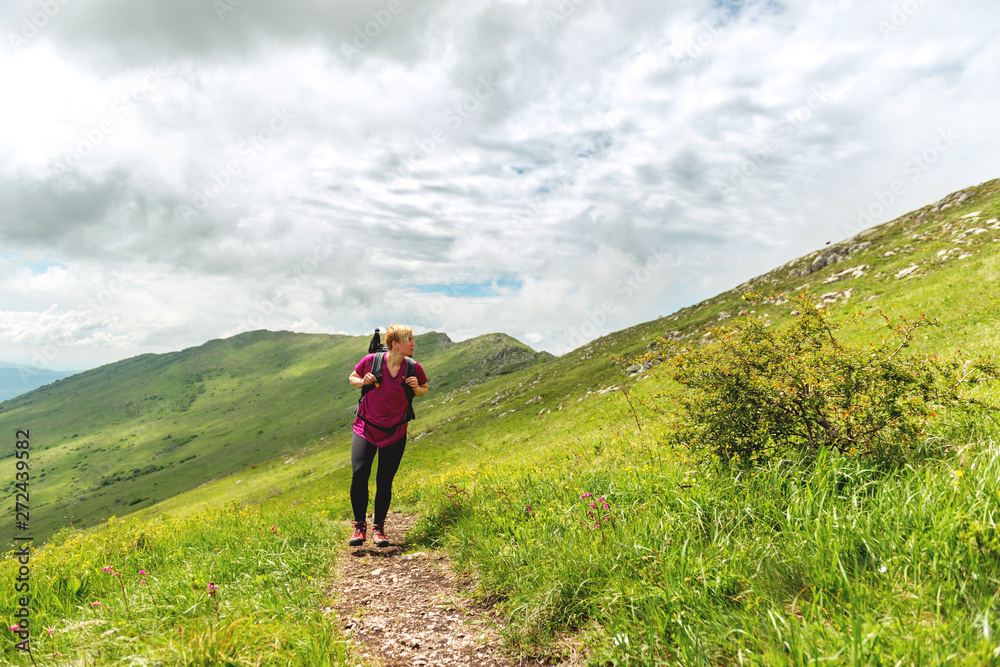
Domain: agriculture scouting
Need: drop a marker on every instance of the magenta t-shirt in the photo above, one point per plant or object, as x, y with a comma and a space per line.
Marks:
386, 404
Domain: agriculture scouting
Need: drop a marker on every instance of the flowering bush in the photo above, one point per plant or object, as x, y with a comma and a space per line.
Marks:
754, 393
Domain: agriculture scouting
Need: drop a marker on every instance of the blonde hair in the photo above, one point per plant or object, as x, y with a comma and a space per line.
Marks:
397, 333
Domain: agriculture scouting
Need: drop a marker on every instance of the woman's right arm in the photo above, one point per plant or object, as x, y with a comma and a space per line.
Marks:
357, 381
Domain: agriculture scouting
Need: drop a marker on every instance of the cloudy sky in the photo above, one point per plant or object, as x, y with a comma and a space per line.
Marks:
173, 172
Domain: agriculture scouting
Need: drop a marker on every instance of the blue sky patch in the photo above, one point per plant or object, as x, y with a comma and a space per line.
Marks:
474, 290
41, 267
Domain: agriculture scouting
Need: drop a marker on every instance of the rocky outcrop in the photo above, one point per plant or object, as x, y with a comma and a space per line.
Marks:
953, 200
829, 257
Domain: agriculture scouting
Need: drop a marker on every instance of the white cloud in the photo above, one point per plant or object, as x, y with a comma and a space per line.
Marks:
245, 171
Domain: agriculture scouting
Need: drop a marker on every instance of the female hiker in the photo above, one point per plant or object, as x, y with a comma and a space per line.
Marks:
380, 427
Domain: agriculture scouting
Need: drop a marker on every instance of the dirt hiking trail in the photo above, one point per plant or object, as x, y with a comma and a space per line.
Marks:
407, 608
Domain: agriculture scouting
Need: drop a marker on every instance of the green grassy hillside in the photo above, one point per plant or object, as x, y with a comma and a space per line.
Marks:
127, 435
587, 533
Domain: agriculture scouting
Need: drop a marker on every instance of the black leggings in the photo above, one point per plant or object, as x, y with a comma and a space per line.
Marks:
362, 456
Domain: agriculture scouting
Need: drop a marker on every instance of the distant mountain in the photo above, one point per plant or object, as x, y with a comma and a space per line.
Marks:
17, 379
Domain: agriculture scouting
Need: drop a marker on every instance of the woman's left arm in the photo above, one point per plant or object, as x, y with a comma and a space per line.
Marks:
418, 389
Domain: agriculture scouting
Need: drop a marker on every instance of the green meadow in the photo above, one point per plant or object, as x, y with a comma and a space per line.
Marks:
188, 508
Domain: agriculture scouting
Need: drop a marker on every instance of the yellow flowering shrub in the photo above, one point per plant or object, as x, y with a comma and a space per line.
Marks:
753, 393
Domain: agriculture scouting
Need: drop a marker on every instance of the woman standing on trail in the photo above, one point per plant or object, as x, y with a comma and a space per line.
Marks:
380, 427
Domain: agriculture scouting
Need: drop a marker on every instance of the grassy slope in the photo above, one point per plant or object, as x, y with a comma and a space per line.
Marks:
130, 434
506, 415
544, 434
503, 417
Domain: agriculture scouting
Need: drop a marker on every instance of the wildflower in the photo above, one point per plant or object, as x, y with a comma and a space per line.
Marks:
274, 529
95, 604
142, 572
586, 495
211, 589
51, 632
107, 569
15, 628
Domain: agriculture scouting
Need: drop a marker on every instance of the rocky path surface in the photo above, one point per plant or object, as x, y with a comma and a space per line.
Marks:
406, 608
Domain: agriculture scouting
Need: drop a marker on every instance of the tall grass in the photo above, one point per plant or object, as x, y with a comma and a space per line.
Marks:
657, 559
237, 586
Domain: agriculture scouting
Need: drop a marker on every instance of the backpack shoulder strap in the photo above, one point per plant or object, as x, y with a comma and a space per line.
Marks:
411, 370
377, 367
377, 372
